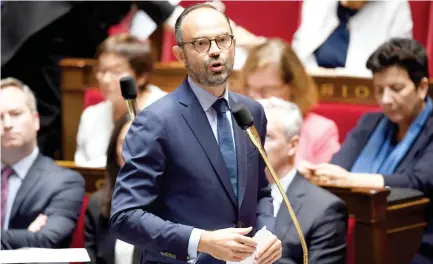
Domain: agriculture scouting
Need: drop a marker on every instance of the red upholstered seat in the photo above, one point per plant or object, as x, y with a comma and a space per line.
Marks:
351, 240
92, 96
78, 235
345, 116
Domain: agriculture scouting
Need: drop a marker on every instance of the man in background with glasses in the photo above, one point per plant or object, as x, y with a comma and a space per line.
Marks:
193, 188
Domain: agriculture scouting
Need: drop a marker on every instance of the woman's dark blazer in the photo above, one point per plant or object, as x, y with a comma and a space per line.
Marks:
98, 242
415, 170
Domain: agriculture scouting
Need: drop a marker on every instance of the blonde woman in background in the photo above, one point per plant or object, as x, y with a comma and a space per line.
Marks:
273, 69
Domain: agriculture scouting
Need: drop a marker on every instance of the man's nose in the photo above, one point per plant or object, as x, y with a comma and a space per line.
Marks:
6, 122
214, 50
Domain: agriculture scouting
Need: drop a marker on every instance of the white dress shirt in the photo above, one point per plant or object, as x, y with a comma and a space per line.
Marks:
123, 252
276, 195
372, 25
20, 170
206, 101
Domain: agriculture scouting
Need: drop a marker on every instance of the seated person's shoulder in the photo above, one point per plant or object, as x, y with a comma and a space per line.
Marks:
369, 117
97, 109
324, 199
59, 174
95, 113
317, 120
316, 127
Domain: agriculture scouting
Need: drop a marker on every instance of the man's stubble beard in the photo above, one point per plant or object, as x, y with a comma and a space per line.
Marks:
205, 77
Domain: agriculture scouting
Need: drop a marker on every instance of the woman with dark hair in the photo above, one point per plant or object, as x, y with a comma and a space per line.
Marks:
393, 148
117, 56
102, 247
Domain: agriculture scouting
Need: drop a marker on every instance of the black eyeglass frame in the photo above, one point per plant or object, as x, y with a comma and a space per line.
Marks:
232, 37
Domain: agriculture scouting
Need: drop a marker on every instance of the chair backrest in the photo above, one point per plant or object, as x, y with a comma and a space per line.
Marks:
345, 116
351, 240
92, 96
78, 235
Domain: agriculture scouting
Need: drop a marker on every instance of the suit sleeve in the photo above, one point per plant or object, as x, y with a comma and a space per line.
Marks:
265, 209
418, 176
90, 227
137, 187
327, 243
158, 11
346, 156
62, 211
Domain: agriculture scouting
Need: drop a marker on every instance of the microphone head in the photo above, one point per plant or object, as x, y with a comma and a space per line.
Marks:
128, 88
243, 117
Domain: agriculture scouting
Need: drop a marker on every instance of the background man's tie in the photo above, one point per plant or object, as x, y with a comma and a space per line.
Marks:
6, 172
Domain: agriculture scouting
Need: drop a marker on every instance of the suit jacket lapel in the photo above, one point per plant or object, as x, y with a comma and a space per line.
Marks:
241, 151
29, 183
196, 119
294, 192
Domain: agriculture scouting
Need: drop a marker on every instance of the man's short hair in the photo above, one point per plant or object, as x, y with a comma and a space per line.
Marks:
179, 20
289, 115
13, 82
403, 52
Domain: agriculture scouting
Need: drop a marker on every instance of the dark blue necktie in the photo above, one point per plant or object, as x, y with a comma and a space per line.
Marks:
225, 141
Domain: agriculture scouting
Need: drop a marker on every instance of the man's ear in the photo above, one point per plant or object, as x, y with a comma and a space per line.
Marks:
180, 56
293, 146
36, 121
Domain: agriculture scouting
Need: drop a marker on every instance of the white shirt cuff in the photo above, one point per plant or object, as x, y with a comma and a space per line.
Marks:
194, 239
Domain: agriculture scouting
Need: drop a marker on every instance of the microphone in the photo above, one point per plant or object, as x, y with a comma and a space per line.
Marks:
245, 121
129, 94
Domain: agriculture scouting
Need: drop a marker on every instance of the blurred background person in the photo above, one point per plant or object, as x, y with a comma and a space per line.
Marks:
117, 56
103, 248
40, 201
395, 147
322, 215
343, 34
273, 69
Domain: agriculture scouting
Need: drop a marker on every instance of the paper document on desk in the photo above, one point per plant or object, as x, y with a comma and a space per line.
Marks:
44, 255
262, 237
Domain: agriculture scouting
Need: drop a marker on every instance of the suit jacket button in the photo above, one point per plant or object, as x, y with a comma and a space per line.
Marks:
240, 224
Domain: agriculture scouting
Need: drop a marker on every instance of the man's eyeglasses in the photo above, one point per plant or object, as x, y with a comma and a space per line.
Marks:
202, 45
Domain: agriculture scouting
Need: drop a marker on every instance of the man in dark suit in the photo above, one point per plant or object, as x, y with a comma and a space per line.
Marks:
189, 168
40, 202
38, 34
322, 215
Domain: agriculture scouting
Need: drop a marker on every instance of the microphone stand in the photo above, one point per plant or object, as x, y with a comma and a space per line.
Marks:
131, 104
255, 138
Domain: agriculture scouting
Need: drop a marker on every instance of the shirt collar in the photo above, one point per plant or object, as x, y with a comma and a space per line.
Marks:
206, 99
285, 182
22, 167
